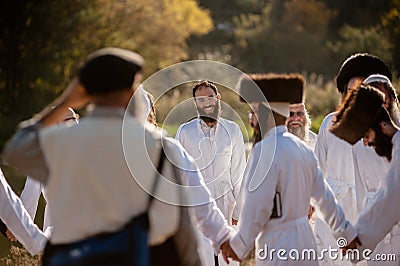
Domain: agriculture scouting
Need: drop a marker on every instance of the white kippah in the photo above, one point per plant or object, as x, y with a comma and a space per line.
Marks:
377, 78
281, 108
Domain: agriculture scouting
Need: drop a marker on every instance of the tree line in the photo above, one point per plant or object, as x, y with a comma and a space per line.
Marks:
42, 41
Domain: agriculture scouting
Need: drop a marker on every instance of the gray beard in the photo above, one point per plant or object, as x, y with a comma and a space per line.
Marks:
298, 131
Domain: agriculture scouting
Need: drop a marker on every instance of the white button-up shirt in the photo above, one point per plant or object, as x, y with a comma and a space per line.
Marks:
335, 158
220, 155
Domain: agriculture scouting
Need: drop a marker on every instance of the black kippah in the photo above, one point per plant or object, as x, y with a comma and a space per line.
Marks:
109, 69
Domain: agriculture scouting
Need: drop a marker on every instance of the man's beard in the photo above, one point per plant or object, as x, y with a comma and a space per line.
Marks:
209, 117
299, 130
383, 144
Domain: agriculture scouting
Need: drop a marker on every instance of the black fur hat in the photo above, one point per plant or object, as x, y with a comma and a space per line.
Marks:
357, 113
274, 87
360, 65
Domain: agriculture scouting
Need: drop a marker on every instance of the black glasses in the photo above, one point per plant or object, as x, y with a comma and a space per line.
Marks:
299, 114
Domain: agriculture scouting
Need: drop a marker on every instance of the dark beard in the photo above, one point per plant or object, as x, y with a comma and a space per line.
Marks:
209, 118
383, 144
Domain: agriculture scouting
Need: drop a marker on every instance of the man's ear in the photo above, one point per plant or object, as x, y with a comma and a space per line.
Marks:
219, 96
137, 80
388, 128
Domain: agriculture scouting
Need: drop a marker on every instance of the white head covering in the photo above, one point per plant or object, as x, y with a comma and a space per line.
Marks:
377, 78
281, 108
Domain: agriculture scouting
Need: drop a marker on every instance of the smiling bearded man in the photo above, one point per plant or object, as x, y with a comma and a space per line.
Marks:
217, 146
299, 123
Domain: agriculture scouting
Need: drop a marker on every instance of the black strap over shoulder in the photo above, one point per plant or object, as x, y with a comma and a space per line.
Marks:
160, 166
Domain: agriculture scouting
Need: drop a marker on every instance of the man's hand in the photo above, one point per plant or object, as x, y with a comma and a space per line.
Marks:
227, 252
352, 245
310, 212
75, 95
11, 236
234, 221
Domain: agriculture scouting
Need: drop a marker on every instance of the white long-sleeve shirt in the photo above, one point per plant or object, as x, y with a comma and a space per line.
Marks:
18, 221
335, 158
220, 155
312, 139
283, 163
30, 198
379, 217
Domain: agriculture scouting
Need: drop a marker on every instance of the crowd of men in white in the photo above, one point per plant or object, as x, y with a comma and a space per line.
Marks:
296, 190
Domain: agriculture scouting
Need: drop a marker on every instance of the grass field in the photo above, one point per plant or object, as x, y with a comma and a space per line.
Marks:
18, 256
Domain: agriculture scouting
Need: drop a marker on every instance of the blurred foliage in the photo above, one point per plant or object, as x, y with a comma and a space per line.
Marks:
391, 23
300, 39
42, 43
363, 39
321, 99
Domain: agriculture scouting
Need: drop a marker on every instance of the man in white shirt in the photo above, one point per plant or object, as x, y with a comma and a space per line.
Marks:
299, 124
335, 156
363, 115
98, 176
370, 168
31, 193
287, 188
217, 146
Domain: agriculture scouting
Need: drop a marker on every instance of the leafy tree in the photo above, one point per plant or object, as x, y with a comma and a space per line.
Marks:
292, 42
356, 13
42, 41
391, 23
370, 39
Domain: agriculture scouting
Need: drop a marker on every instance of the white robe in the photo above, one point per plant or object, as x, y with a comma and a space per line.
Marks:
370, 169
18, 221
293, 171
379, 217
219, 153
335, 158
312, 139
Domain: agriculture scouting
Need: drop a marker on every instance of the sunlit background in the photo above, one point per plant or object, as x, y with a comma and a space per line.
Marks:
42, 43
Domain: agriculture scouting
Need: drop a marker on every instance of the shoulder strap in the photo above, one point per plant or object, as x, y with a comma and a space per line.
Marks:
156, 177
